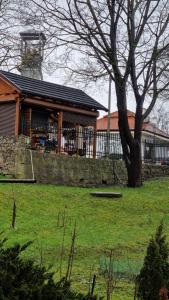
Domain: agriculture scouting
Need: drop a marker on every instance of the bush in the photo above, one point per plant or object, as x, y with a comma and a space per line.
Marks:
154, 274
23, 280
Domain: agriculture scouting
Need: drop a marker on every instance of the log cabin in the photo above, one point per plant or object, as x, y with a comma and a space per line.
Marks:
41, 110
47, 114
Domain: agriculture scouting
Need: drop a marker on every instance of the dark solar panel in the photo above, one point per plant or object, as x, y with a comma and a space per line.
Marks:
50, 90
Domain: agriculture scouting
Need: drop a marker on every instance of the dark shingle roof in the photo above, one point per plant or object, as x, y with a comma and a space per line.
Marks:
53, 91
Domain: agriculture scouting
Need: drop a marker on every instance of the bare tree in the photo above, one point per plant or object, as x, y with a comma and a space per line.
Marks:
5, 32
160, 118
125, 39
9, 27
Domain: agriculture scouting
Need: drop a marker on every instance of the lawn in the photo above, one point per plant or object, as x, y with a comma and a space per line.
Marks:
124, 225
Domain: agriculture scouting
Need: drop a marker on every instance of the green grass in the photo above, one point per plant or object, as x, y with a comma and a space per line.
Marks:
5, 176
125, 225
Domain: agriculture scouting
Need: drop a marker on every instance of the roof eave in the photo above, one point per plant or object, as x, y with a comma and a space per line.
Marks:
96, 107
28, 94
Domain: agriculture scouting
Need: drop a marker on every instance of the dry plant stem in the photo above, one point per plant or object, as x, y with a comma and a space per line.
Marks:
63, 241
93, 285
135, 290
71, 255
13, 210
110, 277
58, 219
90, 281
40, 254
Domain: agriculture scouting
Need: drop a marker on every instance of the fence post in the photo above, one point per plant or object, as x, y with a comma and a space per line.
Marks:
94, 140
59, 131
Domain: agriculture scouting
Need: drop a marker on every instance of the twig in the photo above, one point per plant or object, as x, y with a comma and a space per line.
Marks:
110, 277
71, 255
13, 210
63, 240
93, 285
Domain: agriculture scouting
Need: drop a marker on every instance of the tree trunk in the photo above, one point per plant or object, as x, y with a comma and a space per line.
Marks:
131, 145
134, 167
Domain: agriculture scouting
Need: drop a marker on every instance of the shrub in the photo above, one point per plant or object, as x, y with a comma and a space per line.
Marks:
23, 280
154, 273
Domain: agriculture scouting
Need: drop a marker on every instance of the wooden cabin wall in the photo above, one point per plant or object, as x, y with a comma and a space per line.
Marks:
7, 119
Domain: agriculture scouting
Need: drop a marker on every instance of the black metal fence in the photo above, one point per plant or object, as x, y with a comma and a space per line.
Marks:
156, 152
86, 142
72, 140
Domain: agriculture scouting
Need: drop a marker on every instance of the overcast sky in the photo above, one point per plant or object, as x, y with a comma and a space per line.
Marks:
99, 91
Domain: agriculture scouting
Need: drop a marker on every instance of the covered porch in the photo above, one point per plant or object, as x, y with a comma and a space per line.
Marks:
52, 117
50, 129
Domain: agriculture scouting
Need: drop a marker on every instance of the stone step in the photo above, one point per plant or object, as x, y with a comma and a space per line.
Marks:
106, 194
15, 180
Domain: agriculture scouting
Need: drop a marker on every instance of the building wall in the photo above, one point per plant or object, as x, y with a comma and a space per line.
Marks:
7, 119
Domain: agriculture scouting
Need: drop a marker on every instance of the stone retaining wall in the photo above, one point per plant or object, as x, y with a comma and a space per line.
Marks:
52, 168
16, 160
154, 171
9, 146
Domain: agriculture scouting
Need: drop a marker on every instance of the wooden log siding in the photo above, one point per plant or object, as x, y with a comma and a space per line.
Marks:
17, 116
7, 119
26, 117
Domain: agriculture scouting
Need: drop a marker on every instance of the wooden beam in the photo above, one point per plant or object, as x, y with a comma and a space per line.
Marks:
59, 131
7, 93
44, 103
7, 98
17, 116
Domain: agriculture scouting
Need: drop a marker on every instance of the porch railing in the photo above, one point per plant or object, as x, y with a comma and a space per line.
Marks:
86, 142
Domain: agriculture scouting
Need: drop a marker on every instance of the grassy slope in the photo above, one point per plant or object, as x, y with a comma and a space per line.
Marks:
124, 225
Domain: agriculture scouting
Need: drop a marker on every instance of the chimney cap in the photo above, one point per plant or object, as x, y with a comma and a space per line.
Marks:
32, 35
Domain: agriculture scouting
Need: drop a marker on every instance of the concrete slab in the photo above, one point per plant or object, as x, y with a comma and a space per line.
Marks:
106, 194
13, 180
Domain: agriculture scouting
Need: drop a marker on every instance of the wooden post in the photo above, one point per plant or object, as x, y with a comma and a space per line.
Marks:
27, 118
94, 140
59, 130
17, 116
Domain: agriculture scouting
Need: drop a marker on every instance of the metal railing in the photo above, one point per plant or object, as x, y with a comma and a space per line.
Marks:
156, 152
72, 140
86, 142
